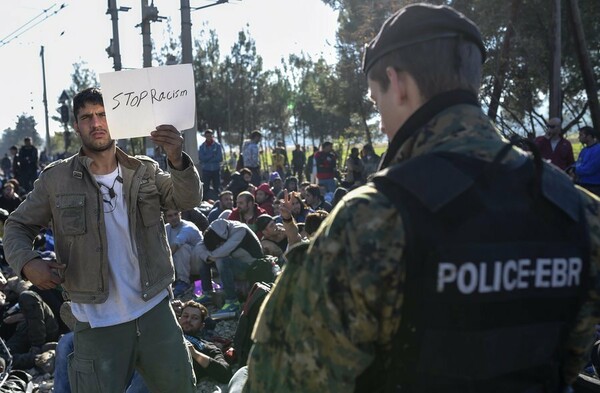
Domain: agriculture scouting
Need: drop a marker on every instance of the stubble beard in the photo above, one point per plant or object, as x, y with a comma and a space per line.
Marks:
91, 146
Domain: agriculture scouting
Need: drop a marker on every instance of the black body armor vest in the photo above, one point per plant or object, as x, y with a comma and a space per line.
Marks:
497, 261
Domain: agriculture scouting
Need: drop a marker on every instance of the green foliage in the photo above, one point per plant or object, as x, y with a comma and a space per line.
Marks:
309, 101
25, 126
525, 90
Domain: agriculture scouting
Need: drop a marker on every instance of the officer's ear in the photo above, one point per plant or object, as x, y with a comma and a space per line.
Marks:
397, 87
405, 91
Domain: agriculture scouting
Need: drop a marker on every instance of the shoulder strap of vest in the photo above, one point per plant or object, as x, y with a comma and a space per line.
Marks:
430, 178
436, 179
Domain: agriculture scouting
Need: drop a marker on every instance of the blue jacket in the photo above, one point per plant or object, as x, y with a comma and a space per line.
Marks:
210, 156
587, 167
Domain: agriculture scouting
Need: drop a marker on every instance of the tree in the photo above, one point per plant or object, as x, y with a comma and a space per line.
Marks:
583, 57
516, 75
276, 104
25, 126
211, 98
81, 78
243, 69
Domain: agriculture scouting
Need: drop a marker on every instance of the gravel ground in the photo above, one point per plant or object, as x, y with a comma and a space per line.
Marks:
44, 382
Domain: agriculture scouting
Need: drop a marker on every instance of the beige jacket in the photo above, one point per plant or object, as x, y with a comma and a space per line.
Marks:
67, 196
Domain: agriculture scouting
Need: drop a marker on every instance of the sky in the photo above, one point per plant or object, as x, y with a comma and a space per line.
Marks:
81, 30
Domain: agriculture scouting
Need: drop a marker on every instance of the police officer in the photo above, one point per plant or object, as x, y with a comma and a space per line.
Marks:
464, 267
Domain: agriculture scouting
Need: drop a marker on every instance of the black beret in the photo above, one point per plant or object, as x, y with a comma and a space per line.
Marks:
262, 221
418, 23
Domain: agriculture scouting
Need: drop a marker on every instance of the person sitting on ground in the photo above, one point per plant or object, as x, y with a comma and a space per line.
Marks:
33, 322
225, 202
299, 208
264, 198
232, 247
9, 200
197, 217
314, 200
239, 181
338, 195
290, 184
247, 210
183, 236
209, 361
274, 238
276, 183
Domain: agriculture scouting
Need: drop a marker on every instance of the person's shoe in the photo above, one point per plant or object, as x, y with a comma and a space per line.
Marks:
230, 306
180, 288
203, 299
229, 310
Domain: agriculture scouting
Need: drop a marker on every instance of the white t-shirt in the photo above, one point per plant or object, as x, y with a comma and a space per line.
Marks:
124, 302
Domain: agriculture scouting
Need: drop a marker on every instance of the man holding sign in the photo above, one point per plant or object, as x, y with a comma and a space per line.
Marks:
113, 258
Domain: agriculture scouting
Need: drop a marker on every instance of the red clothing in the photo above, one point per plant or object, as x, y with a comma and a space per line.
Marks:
326, 163
235, 216
562, 156
267, 206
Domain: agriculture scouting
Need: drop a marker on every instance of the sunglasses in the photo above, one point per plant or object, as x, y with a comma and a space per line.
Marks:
551, 125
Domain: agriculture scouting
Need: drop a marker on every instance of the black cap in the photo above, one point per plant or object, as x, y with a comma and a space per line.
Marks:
262, 221
418, 23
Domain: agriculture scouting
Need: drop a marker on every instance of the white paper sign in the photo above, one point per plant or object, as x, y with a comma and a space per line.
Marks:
137, 101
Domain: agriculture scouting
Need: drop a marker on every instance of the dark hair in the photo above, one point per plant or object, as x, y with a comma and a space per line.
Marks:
247, 196
326, 144
212, 240
193, 304
314, 220
223, 193
314, 190
90, 95
587, 130
338, 194
457, 65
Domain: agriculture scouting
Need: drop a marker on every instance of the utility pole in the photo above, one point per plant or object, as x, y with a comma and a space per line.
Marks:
190, 136
48, 141
114, 49
149, 14
186, 32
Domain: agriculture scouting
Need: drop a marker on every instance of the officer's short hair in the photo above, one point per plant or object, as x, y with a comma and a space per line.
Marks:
439, 47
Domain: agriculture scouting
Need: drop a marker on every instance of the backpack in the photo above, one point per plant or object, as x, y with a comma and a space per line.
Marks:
242, 341
263, 269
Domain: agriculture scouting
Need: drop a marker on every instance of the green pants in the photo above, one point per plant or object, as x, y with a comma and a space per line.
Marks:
104, 358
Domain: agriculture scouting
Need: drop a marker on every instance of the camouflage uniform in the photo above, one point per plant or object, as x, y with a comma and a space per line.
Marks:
339, 301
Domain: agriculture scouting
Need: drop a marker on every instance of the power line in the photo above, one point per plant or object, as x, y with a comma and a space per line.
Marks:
18, 32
